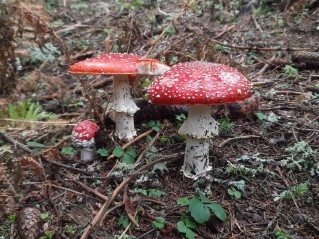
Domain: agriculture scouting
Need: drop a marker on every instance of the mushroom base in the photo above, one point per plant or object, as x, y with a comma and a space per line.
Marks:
124, 125
87, 154
196, 160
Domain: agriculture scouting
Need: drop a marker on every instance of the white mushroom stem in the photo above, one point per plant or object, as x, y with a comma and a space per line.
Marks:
87, 154
124, 125
199, 127
124, 108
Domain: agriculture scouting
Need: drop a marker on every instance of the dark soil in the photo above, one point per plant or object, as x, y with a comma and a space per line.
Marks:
275, 45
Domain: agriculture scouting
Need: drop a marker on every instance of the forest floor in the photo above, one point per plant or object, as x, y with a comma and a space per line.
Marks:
265, 160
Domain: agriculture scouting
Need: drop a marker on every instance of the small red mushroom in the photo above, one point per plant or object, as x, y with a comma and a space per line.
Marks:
199, 85
83, 137
124, 67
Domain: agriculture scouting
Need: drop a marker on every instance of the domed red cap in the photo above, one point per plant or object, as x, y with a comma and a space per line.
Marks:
83, 134
193, 83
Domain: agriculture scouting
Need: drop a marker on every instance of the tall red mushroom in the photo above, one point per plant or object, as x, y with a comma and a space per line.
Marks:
124, 67
199, 85
82, 137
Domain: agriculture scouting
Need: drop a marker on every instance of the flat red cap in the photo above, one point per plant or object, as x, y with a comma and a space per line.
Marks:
112, 63
116, 63
193, 83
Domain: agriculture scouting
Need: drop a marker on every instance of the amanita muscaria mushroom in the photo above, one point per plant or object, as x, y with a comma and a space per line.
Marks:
199, 85
83, 137
124, 67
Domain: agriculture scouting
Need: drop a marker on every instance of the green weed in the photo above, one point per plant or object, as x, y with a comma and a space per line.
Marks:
294, 192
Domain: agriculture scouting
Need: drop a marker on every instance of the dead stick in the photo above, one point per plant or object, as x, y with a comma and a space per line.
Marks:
101, 212
238, 138
150, 144
223, 32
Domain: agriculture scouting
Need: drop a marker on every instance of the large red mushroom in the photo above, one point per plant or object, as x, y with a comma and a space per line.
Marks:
199, 85
124, 67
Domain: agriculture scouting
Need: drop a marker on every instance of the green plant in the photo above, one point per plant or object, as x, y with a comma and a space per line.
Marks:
294, 192
200, 209
103, 152
11, 218
127, 156
68, 150
225, 126
47, 53
186, 226
233, 192
146, 83
154, 125
158, 223
26, 110
290, 71
301, 157
281, 233
267, 120
70, 229
48, 235
221, 48
44, 216
151, 192
123, 221
180, 117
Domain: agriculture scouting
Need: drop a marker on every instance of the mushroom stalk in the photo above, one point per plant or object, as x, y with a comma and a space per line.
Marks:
87, 154
199, 127
124, 107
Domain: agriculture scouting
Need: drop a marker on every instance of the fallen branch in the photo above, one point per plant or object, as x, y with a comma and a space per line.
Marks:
238, 138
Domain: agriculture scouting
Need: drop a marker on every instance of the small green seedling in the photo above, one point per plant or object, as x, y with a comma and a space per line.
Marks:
294, 192
123, 221
180, 117
103, 152
187, 226
44, 216
150, 192
225, 126
291, 71
201, 208
158, 223
154, 125
146, 83
126, 156
281, 233
48, 235
68, 150
233, 192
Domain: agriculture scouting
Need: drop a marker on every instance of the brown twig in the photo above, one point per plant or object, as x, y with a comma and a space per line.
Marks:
128, 206
238, 138
150, 144
223, 32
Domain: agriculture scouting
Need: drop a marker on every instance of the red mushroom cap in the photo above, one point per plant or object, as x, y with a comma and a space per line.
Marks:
198, 82
115, 64
83, 134
112, 63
